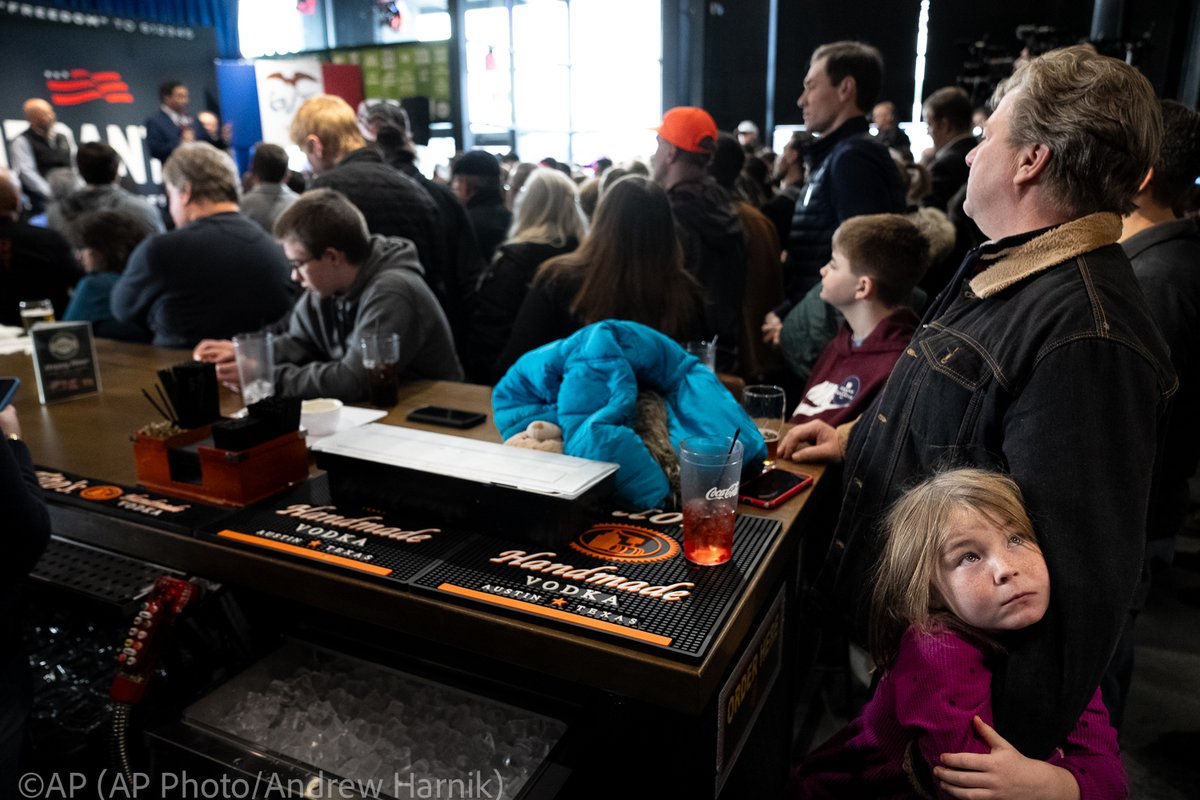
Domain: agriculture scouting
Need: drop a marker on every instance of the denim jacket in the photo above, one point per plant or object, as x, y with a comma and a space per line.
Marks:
1045, 365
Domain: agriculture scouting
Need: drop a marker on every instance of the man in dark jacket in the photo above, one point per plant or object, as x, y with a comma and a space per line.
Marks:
35, 263
216, 274
1164, 248
475, 179
356, 283
849, 172
1040, 360
454, 281
707, 222
393, 204
948, 115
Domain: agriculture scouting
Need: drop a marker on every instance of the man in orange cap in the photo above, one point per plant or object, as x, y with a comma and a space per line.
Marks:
706, 220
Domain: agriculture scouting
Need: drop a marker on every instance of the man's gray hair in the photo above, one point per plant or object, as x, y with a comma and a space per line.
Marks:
211, 174
1099, 117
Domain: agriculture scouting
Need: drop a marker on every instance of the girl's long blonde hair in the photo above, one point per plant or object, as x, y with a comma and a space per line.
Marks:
915, 532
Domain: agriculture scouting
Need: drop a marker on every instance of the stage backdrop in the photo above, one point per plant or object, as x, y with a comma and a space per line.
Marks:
101, 74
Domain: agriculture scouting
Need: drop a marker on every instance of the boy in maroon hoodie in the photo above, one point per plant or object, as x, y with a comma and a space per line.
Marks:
877, 260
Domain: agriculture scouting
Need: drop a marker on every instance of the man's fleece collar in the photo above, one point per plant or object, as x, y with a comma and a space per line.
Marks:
1051, 248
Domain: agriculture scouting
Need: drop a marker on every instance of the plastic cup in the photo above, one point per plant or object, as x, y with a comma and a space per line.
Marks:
35, 311
255, 356
765, 405
381, 356
710, 469
706, 351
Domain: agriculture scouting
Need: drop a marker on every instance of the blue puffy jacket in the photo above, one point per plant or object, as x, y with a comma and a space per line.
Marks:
588, 383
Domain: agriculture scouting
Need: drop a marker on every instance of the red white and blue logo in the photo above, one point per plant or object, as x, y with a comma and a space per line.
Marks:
77, 86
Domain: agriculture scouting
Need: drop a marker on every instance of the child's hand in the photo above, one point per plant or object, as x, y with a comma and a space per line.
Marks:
1003, 773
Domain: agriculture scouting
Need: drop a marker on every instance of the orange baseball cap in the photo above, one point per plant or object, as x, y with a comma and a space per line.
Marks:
689, 128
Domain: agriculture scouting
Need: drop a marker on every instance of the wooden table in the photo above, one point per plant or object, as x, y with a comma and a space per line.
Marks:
90, 436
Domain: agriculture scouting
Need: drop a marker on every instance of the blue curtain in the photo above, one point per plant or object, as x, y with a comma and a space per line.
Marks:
221, 15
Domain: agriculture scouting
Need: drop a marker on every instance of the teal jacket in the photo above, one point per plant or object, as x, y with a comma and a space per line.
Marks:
587, 384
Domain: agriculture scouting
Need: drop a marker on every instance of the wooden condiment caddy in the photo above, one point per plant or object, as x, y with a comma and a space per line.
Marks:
223, 477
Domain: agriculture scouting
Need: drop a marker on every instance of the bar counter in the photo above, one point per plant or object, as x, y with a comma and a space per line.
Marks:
90, 436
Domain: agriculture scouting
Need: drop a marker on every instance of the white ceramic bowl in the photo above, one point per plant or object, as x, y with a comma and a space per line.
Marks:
320, 416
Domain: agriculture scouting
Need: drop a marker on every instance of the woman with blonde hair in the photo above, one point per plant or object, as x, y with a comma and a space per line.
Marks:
548, 223
630, 267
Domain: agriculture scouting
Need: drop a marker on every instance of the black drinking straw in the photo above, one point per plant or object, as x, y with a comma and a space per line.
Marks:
736, 434
157, 407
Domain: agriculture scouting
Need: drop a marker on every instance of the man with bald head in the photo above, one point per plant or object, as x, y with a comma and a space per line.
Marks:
1039, 360
43, 146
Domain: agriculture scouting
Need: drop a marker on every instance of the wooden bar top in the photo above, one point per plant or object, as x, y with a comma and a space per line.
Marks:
90, 436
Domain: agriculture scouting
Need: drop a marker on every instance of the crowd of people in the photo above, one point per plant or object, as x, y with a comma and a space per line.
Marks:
965, 319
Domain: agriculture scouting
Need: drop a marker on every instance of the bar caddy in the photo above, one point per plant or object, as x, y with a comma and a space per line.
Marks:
197, 455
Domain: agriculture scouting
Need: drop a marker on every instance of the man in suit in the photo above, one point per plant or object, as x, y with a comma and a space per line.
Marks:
948, 115
172, 125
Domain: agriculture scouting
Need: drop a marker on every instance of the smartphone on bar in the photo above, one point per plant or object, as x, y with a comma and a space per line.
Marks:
447, 417
773, 488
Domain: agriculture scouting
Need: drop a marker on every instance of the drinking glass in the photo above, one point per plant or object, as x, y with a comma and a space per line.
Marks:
381, 357
35, 311
255, 357
710, 469
765, 405
706, 351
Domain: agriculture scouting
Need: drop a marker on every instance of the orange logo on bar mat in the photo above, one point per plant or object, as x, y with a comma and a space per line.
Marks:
101, 492
554, 613
627, 543
304, 552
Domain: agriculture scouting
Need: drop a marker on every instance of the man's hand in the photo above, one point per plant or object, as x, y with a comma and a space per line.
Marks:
220, 352
811, 441
187, 135
771, 328
1002, 774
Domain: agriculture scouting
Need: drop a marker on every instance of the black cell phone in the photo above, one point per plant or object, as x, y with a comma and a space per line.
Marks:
773, 487
8, 388
448, 417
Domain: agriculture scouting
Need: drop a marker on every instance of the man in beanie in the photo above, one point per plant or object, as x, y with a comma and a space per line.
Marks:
706, 220
475, 178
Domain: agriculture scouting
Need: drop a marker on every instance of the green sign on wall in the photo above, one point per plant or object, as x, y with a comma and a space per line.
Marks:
412, 69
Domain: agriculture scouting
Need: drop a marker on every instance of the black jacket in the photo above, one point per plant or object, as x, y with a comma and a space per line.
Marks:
1166, 261
454, 280
394, 204
948, 172
714, 252
1047, 366
491, 220
496, 303
849, 174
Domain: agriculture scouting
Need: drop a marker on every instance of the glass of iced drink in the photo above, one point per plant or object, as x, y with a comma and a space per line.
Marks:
710, 469
35, 311
255, 356
765, 405
381, 357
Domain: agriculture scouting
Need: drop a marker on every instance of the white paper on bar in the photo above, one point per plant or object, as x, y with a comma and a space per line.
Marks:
469, 459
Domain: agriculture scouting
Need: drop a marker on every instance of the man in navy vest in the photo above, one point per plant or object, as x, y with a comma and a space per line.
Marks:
43, 146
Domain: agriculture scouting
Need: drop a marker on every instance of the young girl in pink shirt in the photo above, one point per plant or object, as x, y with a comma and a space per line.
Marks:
960, 574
